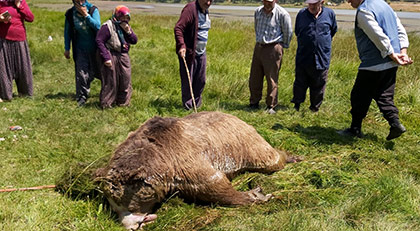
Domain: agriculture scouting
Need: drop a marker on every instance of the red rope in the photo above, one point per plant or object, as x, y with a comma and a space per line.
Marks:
26, 189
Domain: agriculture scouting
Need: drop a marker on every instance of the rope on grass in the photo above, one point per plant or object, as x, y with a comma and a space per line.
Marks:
27, 189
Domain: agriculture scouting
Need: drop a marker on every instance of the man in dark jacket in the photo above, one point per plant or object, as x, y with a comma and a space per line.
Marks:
191, 34
314, 28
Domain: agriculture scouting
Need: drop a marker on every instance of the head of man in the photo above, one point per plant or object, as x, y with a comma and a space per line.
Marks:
204, 4
355, 3
269, 5
314, 6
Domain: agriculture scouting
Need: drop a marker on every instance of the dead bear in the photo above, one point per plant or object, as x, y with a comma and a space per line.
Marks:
195, 156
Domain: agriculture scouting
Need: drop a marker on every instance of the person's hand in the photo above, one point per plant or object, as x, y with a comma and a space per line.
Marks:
108, 63
126, 27
81, 9
181, 52
401, 58
406, 59
5, 19
18, 3
67, 54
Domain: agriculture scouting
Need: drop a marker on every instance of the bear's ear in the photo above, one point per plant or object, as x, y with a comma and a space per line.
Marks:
158, 126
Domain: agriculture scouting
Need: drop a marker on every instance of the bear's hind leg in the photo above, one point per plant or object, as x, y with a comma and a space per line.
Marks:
220, 191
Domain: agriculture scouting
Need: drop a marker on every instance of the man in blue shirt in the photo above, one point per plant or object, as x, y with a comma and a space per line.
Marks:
81, 24
314, 28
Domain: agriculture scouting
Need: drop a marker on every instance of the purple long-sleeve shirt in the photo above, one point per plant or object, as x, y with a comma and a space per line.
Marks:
186, 30
104, 35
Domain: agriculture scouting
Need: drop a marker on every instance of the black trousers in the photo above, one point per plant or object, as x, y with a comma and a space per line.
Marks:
315, 80
377, 85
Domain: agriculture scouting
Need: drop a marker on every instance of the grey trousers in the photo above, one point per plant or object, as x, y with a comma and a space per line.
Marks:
116, 81
15, 64
86, 69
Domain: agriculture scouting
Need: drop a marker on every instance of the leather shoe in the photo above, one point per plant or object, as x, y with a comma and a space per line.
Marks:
396, 131
313, 109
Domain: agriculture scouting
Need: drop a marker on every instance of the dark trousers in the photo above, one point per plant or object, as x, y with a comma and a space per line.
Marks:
315, 80
15, 64
116, 81
197, 71
377, 85
86, 69
266, 61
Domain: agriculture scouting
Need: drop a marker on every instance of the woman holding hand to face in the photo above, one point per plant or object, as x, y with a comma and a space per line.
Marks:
113, 40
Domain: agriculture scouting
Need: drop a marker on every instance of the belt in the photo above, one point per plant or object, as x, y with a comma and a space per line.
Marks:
267, 44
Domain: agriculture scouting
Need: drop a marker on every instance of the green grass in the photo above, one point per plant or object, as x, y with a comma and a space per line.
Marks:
343, 184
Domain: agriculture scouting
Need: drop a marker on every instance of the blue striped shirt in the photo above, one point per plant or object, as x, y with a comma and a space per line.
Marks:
275, 27
204, 25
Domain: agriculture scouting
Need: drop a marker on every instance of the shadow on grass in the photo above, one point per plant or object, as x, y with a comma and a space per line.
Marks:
234, 106
93, 104
61, 95
324, 135
169, 104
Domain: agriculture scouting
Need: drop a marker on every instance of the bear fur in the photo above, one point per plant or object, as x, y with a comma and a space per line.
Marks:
195, 157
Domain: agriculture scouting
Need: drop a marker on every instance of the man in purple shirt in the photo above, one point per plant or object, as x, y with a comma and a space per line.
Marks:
191, 33
113, 40
315, 27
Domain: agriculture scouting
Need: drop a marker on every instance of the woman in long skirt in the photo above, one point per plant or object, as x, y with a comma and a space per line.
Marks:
15, 60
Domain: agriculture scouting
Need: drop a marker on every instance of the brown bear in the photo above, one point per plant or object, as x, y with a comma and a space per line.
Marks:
195, 157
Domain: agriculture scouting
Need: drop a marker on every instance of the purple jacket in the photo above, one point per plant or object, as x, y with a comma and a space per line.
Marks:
102, 37
186, 30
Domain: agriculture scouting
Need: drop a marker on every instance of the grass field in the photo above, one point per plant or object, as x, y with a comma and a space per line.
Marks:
343, 184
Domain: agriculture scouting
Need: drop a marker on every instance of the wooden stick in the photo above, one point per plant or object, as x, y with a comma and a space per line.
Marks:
189, 81
26, 189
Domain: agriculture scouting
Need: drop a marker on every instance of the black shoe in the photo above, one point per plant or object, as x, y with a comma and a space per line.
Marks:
395, 131
354, 132
313, 109
297, 106
254, 106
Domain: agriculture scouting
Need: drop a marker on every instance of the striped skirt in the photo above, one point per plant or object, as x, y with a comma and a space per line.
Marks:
15, 63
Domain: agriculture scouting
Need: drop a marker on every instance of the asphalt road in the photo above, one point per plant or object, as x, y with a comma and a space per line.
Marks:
345, 18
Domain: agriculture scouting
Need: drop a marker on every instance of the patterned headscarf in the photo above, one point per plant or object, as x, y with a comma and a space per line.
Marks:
120, 11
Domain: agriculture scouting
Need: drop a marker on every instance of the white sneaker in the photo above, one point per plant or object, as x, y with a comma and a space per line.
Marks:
271, 111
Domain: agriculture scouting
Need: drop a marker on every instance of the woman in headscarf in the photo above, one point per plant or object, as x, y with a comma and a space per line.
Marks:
15, 60
113, 40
